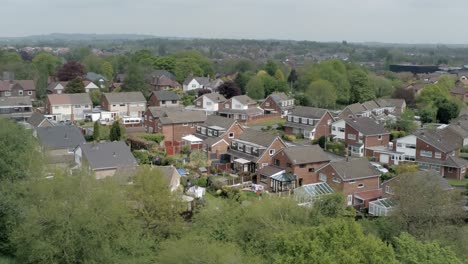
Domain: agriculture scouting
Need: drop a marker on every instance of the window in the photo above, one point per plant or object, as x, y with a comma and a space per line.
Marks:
231, 135
333, 128
399, 145
185, 124
264, 165
361, 185
336, 179
248, 149
77, 106
263, 178
438, 155
323, 177
240, 147
352, 136
56, 107
210, 132
243, 117
29, 92
122, 104
193, 125
296, 119
207, 103
226, 105
352, 182
290, 118
380, 137
329, 122
272, 152
450, 170
425, 153
175, 102
388, 189
277, 162
302, 166
289, 165
267, 104
423, 166
198, 103
342, 129
435, 167
163, 102
304, 120
311, 169
7, 93
20, 92
463, 170
410, 146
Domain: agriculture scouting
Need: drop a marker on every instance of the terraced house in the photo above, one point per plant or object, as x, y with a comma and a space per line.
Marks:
241, 108
16, 88
309, 122
278, 103
125, 104
71, 107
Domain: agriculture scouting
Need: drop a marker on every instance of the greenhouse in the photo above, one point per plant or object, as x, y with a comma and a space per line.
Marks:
381, 207
306, 194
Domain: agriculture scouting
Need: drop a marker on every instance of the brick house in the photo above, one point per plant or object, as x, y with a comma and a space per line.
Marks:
18, 108
460, 93
241, 108
125, 104
310, 122
217, 133
278, 103
209, 102
356, 179
254, 150
302, 161
164, 99
17, 88
383, 110
152, 115
59, 143
362, 133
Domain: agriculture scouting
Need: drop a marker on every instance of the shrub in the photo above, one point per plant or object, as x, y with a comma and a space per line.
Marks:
291, 138
202, 182
158, 138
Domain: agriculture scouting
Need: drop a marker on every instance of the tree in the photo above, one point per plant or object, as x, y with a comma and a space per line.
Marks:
159, 209
428, 114
406, 122
255, 88
446, 110
95, 95
279, 76
423, 204
46, 65
97, 131
407, 95
198, 159
271, 67
322, 94
410, 250
381, 85
78, 220
75, 86
292, 78
70, 71
361, 91
115, 132
203, 91
229, 89
107, 70
135, 81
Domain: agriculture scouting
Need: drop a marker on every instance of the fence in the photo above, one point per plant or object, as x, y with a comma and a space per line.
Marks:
263, 118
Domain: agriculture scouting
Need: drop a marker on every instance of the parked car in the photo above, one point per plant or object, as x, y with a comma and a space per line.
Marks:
379, 167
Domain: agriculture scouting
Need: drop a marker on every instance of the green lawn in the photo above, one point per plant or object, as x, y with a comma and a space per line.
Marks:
267, 123
457, 183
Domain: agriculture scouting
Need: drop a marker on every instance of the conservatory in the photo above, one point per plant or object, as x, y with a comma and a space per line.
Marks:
306, 194
381, 207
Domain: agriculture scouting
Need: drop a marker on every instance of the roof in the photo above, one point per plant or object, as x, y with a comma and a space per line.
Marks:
92, 76
215, 97
210, 141
60, 137
258, 137
309, 112
27, 85
175, 117
369, 195
15, 101
306, 154
69, 99
51, 87
166, 95
171, 174
214, 120
366, 126
248, 111
369, 105
205, 81
159, 111
269, 170
391, 102
161, 73
459, 90
353, 169
309, 192
107, 155
284, 177
36, 119
125, 97
244, 99
385, 202
279, 96
356, 108
446, 139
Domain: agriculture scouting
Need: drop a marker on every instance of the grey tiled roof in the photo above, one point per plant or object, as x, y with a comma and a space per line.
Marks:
445, 139
36, 119
125, 97
159, 111
309, 112
108, 155
177, 117
306, 154
214, 120
166, 95
250, 111
354, 169
244, 99
60, 137
366, 126
15, 101
269, 170
216, 97
258, 137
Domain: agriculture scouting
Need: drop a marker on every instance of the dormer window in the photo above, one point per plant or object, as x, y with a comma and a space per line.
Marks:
272, 152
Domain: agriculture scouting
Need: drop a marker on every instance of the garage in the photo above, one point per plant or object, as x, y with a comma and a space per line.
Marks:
384, 158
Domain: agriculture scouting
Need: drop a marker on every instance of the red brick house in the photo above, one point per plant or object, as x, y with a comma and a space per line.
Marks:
152, 115
310, 122
362, 133
254, 150
302, 161
278, 103
17, 88
357, 179
164, 99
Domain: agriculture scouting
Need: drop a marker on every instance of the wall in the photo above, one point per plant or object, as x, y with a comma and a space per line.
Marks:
175, 132
323, 128
101, 174
372, 141
336, 133
277, 145
422, 145
411, 139
301, 173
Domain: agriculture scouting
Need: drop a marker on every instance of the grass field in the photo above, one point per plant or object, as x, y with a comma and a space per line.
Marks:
457, 183
268, 122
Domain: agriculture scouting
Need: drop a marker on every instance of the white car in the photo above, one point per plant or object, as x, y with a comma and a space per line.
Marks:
379, 167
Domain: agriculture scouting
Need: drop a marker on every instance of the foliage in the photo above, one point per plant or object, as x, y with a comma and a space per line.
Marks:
410, 250
405, 168
188, 99
75, 86
322, 94
242, 79
203, 91
291, 138
97, 131
255, 88
336, 147
70, 70
95, 96
115, 132
271, 67
361, 90
446, 110
158, 137
292, 78
198, 159
107, 70
279, 76
78, 219
406, 122
134, 80
229, 89
381, 85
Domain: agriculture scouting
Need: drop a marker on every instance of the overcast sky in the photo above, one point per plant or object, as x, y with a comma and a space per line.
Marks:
396, 21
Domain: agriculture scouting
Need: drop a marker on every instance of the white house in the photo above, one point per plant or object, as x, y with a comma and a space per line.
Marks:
68, 106
194, 83
338, 129
407, 146
209, 102
90, 86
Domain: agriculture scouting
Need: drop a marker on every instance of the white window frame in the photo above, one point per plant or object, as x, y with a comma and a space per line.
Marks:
29, 92
322, 177
351, 136
437, 155
361, 185
425, 153
231, 135
388, 189
272, 152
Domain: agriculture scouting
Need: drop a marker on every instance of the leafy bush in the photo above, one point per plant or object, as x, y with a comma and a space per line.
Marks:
158, 138
291, 138
143, 157
202, 182
336, 147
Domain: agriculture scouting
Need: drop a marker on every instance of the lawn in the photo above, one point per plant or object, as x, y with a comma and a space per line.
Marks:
457, 183
268, 122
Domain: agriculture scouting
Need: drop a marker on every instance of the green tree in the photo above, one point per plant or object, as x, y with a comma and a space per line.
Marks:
95, 95
135, 81
381, 85
75, 86
255, 88
271, 67
46, 62
411, 251
93, 63
198, 159
158, 209
292, 78
78, 220
406, 122
428, 114
97, 131
115, 132
446, 110
165, 63
322, 93
279, 76
361, 91
242, 79
107, 70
